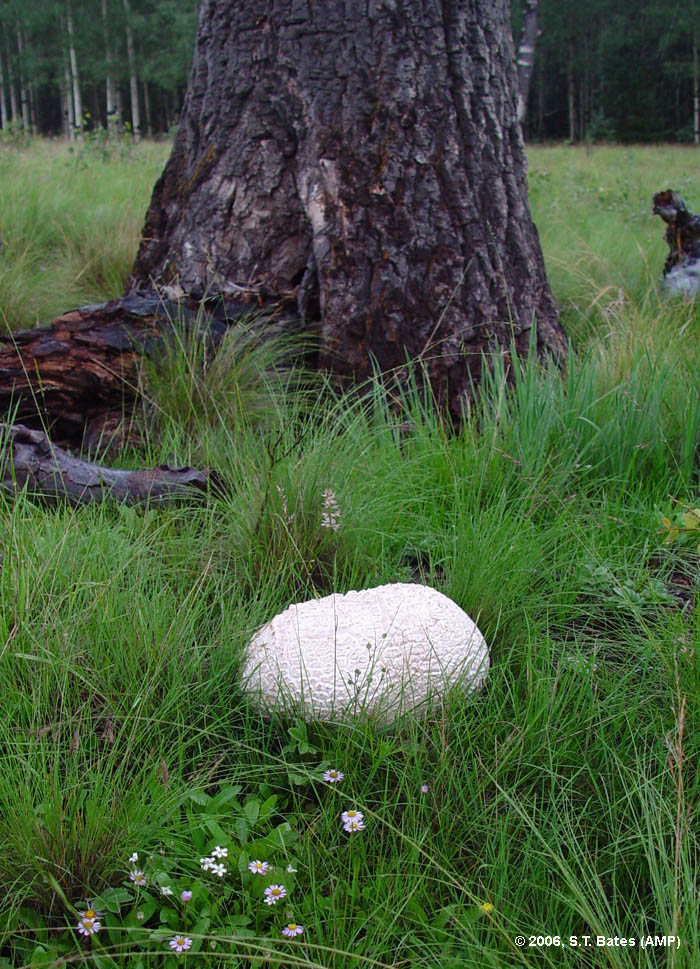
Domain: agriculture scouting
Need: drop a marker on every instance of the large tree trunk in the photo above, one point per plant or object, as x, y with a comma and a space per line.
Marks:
365, 159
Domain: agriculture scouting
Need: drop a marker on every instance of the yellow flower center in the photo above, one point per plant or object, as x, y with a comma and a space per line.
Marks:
90, 914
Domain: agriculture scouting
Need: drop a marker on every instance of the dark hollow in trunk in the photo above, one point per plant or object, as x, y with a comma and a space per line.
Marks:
365, 160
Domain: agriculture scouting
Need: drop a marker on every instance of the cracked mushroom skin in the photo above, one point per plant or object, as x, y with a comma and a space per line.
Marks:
381, 651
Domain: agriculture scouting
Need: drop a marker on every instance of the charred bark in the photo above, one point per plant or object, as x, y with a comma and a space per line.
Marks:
77, 377
682, 266
365, 158
29, 459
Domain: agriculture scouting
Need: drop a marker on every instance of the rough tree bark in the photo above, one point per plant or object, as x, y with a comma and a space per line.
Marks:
526, 54
78, 376
365, 159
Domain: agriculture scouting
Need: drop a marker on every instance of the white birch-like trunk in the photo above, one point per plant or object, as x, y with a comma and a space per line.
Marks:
23, 94
75, 81
67, 94
133, 79
11, 83
572, 97
111, 107
147, 106
526, 55
4, 116
33, 117
696, 93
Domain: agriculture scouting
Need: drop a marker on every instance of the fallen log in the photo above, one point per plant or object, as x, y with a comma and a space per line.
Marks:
682, 266
29, 459
79, 375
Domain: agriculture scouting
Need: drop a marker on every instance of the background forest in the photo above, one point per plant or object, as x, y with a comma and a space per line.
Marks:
604, 70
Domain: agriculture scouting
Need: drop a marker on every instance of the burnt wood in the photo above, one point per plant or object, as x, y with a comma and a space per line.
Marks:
77, 377
682, 229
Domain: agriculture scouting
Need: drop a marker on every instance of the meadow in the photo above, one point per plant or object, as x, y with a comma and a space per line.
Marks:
557, 804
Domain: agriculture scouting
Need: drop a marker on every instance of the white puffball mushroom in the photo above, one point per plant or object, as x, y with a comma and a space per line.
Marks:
380, 651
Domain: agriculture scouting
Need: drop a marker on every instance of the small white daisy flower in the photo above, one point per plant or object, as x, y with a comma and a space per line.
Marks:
179, 943
333, 776
137, 877
273, 894
166, 890
220, 852
140, 916
205, 863
186, 896
89, 922
217, 870
259, 867
352, 816
353, 825
134, 860
291, 929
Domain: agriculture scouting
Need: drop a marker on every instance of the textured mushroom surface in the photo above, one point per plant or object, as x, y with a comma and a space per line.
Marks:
382, 651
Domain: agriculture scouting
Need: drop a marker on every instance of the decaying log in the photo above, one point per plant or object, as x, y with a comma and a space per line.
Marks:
28, 458
682, 266
78, 375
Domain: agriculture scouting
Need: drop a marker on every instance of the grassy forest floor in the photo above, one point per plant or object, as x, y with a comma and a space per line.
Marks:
561, 802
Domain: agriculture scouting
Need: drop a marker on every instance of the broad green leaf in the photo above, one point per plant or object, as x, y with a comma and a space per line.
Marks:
225, 796
691, 519
252, 810
112, 899
242, 830
267, 808
215, 828
199, 928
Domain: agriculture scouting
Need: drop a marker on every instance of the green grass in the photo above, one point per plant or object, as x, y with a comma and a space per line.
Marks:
563, 795
70, 222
